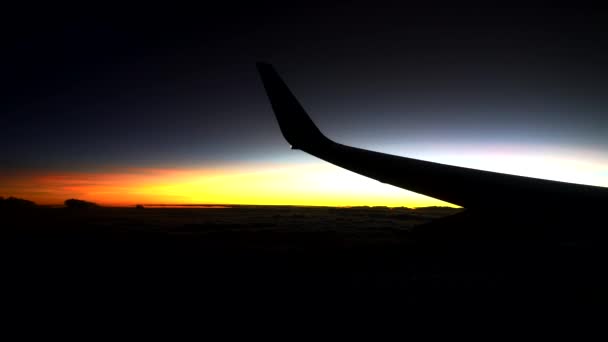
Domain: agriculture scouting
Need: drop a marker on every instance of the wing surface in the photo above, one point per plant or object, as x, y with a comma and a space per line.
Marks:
469, 188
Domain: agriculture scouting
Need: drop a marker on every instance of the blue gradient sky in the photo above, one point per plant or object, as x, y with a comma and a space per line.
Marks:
517, 90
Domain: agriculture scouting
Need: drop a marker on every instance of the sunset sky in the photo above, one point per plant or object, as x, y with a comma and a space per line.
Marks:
148, 105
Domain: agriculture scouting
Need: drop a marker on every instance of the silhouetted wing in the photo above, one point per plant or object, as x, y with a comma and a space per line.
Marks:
465, 187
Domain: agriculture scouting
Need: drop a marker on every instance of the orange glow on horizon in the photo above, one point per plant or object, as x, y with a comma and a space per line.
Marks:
307, 184
314, 183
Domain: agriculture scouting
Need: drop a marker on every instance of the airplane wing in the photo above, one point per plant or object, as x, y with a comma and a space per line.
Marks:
469, 188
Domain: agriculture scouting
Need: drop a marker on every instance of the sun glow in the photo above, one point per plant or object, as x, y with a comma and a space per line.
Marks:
568, 166
314, 183
304, 184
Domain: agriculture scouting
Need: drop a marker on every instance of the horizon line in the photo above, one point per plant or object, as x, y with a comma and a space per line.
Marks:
243, 205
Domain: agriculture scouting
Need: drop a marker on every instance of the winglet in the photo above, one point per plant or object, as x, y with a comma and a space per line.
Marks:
297, 127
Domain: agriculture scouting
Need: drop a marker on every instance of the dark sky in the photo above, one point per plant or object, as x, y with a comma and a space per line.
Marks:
97, 88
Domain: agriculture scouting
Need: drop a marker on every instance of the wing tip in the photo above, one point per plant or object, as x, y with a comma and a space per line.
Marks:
296, 125
262, 64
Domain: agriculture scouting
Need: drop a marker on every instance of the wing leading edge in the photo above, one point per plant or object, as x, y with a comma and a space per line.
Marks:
469, 188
